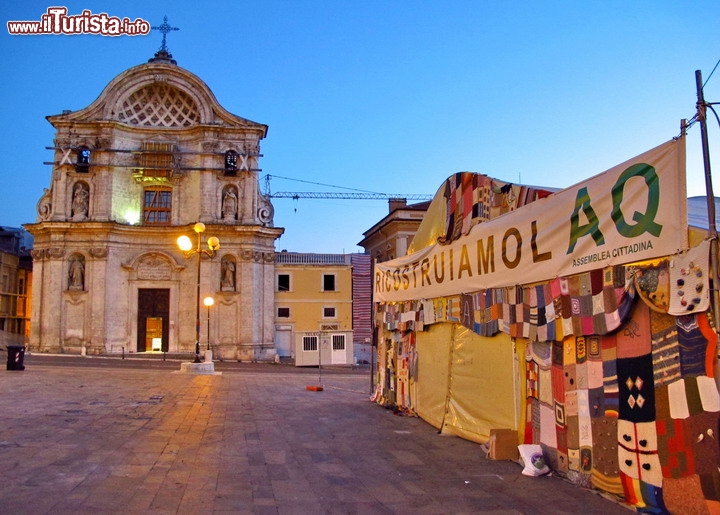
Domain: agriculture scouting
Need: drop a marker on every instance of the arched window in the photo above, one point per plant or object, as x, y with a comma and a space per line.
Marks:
82, 164
231, 162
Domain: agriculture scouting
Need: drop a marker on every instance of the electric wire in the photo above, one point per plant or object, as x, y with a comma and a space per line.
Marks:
715, 113
711, 73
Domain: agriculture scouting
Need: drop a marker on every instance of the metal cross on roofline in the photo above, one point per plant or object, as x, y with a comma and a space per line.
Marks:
165, 28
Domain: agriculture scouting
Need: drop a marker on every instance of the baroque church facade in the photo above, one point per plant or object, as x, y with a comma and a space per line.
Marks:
151, 157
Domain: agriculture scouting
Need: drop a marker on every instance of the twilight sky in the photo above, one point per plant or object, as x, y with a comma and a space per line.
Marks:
389, 96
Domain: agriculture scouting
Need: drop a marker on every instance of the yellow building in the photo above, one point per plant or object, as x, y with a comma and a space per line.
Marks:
15, 284
314, 308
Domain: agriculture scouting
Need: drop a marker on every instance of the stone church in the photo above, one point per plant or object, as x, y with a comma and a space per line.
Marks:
139, 167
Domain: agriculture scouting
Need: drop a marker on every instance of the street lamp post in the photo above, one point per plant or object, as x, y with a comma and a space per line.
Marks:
186, 246
208, 301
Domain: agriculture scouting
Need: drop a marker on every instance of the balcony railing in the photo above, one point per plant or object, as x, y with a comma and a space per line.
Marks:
299, 258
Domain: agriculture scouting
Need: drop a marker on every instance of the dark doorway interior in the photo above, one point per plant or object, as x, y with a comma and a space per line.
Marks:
153, 319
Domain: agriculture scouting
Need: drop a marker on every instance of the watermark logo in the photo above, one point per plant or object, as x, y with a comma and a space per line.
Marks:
57, 21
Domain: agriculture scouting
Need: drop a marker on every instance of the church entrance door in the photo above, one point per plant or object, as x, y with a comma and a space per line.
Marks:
153, 315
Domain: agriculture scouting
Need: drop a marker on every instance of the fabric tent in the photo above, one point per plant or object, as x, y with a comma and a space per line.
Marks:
600, 351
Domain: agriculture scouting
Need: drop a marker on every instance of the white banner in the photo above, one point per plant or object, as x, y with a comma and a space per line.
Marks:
632, 212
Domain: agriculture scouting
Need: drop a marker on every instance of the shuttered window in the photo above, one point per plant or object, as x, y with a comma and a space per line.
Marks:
156, 159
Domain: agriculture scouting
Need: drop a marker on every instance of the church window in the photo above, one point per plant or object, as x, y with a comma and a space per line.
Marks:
157, 206
83, 160
156, 159
231, 163
159, 105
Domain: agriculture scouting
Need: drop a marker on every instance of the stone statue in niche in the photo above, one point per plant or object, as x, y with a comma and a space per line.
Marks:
80, 202
76, 273
229, 204
227, 281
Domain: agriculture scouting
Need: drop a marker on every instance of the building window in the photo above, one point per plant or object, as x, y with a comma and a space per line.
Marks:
156, 159
231, 163
83, 160
310, 343
157, 206
328, 282
328, 312
338, 342
283, 282
283, 312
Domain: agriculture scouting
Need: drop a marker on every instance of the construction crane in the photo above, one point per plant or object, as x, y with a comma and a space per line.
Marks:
356, 195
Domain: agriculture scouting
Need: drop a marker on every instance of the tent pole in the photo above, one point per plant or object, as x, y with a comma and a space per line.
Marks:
701, 114
449, 376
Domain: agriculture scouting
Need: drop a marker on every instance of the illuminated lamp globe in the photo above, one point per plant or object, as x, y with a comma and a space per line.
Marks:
199, 227
208, 301
184, 243
213, 243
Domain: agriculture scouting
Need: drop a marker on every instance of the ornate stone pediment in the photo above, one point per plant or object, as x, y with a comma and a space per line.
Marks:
154, 267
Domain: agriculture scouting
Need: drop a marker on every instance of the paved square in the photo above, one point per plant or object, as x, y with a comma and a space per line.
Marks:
99, 438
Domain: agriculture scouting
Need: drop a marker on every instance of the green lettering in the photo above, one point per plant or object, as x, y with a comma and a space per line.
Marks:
645, 221
577, 231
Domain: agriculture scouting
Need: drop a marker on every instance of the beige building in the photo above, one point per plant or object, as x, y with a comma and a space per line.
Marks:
133, 171
314, 308
391, 236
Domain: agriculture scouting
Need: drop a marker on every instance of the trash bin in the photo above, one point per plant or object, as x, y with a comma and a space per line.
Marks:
16, 355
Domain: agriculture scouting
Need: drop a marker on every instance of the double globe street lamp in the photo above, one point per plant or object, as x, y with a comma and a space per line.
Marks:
186, 245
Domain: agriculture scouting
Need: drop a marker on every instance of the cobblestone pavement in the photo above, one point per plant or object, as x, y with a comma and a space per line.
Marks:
86, 439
